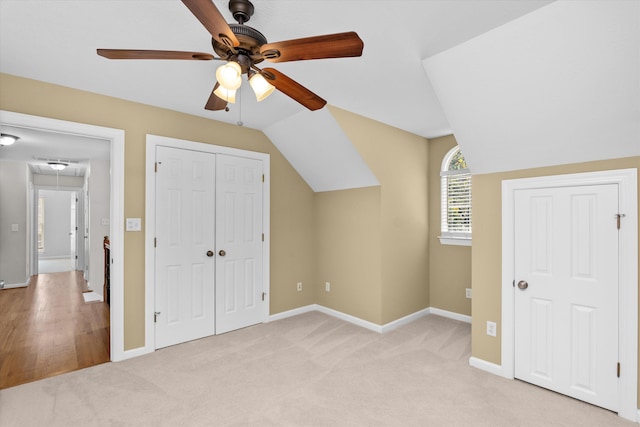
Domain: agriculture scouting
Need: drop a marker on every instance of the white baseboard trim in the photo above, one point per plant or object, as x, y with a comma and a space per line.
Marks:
489, 367
365, 323
291, 313
349, 318
16, 285
450, 314
130, 354
406, 319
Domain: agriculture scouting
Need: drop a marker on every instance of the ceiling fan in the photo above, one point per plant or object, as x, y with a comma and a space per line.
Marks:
242, 47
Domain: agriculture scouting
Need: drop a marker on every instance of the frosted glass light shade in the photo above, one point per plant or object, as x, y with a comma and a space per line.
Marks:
6, 139
226, 94
229, 75
261, 87
57, 166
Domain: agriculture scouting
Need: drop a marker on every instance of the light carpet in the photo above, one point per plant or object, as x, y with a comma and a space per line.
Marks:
308, 370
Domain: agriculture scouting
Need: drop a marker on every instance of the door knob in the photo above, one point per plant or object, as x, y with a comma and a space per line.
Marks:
209, 254
522, 284
222, 253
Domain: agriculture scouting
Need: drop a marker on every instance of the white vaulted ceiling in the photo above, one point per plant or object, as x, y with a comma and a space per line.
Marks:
559, 85
431, 68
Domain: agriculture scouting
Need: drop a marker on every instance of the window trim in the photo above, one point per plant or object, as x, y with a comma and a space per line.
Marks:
451, 237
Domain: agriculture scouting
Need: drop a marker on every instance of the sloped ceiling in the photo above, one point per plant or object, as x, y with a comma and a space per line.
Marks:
56, 42
559, 85
320, 151
520, 83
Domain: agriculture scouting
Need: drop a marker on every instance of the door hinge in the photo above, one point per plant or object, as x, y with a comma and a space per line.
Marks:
263, 237
262, 177
513, 283
155, 242
618, 369
155, 167
155, 316
617, 217
263, 295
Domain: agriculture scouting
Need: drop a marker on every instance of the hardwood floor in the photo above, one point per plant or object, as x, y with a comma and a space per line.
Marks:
47, 329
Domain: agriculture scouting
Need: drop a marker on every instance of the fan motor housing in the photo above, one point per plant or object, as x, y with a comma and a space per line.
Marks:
250, 42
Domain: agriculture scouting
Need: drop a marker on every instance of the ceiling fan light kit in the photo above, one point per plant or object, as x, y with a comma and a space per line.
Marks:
6, 139
244, 47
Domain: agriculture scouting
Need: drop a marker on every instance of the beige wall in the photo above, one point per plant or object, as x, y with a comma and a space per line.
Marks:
291, 198
400, 162
487, 248
370, 243
449, 265
348, 249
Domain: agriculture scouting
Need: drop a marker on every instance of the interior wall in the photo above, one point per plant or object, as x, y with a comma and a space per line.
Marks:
13, 210
487, 247
399, 160
449, 265
349, 252
291, 198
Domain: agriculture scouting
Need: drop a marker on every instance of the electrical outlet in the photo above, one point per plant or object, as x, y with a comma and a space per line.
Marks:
299, 286
467, 292
491, 328
327, 286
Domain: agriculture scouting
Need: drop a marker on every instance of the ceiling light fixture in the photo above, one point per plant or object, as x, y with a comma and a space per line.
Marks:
229, 75
261, 87
57, 166
6, 139
228, 95
229, 78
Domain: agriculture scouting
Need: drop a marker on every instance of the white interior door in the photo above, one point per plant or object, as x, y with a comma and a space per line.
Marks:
239, 281
80, 231
87, 235
185, 190
566, 297
73, 228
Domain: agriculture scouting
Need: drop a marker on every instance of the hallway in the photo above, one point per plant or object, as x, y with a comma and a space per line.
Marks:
47, 329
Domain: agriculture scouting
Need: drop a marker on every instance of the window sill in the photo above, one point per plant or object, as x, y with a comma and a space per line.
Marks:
457, 241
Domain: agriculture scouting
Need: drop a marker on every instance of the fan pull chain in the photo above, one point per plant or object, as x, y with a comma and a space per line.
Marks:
240, 123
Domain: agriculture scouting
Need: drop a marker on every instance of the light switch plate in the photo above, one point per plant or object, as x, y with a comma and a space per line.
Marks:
134, 224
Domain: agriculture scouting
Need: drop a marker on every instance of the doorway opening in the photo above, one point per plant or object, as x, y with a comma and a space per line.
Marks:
114, 220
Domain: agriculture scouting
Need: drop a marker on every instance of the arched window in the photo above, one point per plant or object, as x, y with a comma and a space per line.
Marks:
455, 199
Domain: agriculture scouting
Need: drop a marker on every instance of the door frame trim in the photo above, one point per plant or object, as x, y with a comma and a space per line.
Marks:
627, 267
154, 141
116, 217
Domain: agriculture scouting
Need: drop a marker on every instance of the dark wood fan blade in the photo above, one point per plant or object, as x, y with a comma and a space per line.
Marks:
293, 89
209, 15
339, 45
153, 54
215, 103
